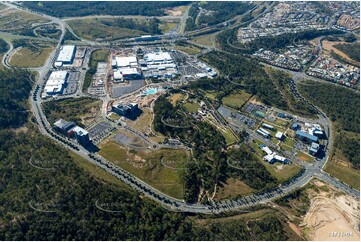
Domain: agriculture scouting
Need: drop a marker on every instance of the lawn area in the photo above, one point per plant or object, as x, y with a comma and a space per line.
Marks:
26, 57
236, 99
204, 39
211, 95
286, 147
142, 122
189, 49
114, 116
282, 172
191, 107
305, 157
93, 29
342, 170
79, 110
175, 97
98, 56
146, 165
165, 27
232, 188
282, 122
229, 136
289, 141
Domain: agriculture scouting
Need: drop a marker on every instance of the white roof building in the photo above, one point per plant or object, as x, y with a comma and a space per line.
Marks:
279, 135
118, 75
126, 61
80, 131
56, 82
66, 54
158, 57
267, 150
129, 71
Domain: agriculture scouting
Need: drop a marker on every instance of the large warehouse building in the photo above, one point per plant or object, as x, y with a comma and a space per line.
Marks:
56, 82
66, 55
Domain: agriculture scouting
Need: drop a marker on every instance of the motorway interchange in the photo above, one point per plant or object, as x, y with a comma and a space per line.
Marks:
307, 173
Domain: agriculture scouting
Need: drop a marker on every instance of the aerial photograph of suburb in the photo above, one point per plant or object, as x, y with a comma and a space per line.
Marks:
180, 120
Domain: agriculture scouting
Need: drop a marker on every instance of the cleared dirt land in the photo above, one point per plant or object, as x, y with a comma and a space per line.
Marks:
328, 46
332, 216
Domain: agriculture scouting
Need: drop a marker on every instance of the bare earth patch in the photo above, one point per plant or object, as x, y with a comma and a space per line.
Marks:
332, 217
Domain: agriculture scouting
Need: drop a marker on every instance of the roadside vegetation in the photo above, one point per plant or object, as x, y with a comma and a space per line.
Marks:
77, 110
342, 107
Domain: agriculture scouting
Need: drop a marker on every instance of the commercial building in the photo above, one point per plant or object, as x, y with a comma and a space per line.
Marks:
56, 82
81, 135
126, 61
64, 126
306, 137
146, 38
126, 110
263, 132
279, 135
130, 73
267, 126
314, 148
66, 55
295, 126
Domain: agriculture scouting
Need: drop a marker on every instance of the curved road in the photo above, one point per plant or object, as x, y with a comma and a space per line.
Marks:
310, 171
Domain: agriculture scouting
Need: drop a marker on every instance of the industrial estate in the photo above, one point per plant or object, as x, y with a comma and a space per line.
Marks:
171, 116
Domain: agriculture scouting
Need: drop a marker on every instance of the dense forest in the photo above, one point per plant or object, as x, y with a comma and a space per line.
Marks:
343, 107
209, 152
46, 193
247, 74
15, 87
71, 9
351, 50
3, 46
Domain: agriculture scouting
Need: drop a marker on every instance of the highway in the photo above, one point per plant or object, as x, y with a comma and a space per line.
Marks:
310, 171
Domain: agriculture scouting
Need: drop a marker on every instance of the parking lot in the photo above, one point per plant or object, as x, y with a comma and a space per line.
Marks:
99, 129
239, 118
253, 108
72, 83
133, 85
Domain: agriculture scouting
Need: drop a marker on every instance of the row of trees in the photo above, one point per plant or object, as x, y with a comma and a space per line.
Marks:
71, 9
3, 46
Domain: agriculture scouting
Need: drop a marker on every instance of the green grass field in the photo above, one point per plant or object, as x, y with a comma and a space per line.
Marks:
142, 123
343, 172
191, 107
283, 174
236, 99
229, 136
165, 27
94, 29
203, 39
147, 166
189, 49
175, 97
232, 188
25, 57
305, 157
